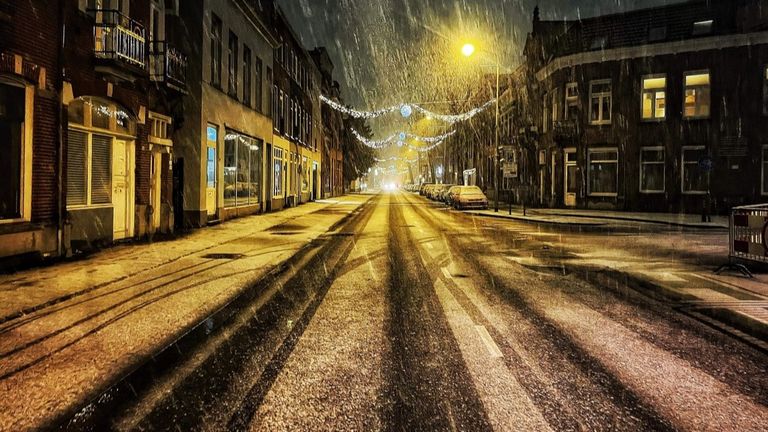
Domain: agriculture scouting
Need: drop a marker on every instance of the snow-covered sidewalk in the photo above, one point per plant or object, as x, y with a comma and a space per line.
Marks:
70, 330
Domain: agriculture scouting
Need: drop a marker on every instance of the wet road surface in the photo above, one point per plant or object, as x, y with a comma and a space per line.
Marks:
415, 317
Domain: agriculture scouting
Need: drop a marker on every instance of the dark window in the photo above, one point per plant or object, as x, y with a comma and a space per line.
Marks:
216, 48
11, 148
233, 56
258, 82
270, 94
247, 90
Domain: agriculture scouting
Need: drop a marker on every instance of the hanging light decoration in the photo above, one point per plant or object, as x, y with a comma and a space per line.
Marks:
407, 110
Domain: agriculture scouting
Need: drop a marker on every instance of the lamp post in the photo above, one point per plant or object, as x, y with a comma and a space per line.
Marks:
468, 50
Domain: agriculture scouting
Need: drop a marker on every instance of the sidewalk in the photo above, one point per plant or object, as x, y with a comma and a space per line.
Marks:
602, 217
69, 331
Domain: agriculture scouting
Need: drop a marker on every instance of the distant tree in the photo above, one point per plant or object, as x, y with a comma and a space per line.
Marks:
358, 157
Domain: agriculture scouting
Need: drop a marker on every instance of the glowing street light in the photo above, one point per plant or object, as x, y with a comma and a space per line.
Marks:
468, 49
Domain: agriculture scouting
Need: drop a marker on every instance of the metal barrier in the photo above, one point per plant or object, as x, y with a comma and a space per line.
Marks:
748, 238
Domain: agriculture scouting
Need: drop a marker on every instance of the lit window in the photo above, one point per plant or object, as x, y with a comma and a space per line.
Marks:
277, 185
652, 170
600, 102
242, 170
603, 172
695, 177
697, 95
654, 98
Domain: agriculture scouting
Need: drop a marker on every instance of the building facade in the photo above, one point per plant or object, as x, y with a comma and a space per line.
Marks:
659, 109
225, 141
31, 117
115, 176
295, 169
332, 124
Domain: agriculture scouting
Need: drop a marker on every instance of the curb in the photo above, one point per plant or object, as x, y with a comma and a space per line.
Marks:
532, 220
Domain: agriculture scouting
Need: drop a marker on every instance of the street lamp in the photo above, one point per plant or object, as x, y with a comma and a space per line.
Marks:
468, 50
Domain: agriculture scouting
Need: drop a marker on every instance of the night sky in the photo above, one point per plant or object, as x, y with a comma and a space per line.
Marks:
392, 51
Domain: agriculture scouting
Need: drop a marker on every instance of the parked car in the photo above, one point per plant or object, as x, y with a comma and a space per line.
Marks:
470, 197
423, 188
437, 192
444, 193
451, 194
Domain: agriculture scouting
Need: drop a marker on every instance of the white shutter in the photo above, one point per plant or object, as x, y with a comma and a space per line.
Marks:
77, 190
101, 169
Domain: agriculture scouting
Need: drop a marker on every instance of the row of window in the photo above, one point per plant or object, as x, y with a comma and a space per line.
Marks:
696, 101
294, 66
603, 171
252, 68
291, 119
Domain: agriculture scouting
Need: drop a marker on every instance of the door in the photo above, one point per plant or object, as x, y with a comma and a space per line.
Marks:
315, 182
156, 189
121, 186
570, 180
211, 202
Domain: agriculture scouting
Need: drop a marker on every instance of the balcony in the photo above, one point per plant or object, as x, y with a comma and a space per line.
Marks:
167, 64
565, 131
118, 41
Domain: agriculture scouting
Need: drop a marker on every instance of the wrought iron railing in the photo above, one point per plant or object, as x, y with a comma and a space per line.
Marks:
118, 37
168, 64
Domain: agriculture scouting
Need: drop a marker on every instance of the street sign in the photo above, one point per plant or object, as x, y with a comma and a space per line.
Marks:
509, 170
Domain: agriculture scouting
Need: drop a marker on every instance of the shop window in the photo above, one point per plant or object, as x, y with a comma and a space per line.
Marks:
654, 97
93, 124
765, 91
12, 150
242, 169
697, 95
652, 170
603, 172
694, 177
600, 96
305, 174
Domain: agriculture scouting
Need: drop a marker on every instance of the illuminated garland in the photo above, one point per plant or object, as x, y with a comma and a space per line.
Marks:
406, 110
425, 149
399, 138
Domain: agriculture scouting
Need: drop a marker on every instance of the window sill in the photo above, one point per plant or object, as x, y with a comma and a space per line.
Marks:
89, 207
694, 193
600, 124
697, 118
14, 221
652, 192
653, 120
603, 195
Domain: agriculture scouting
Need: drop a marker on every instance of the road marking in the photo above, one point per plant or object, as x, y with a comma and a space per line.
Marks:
446, 272
490, 345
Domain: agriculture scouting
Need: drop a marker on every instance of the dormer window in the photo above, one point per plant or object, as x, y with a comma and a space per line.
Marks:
703, 27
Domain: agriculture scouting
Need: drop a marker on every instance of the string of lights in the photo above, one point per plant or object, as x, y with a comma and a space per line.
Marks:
399, 138
406, 110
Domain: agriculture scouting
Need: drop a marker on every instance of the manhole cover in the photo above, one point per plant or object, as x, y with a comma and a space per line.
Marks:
223, 256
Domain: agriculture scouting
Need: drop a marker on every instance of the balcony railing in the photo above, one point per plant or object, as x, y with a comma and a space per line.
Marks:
168, 64
117, 37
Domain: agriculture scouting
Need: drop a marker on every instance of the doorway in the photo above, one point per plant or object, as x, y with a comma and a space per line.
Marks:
211, 202
570, 180
122, 189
